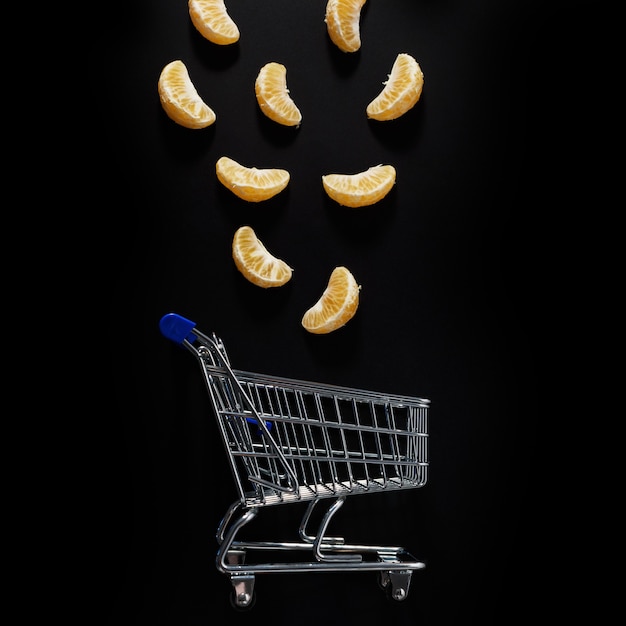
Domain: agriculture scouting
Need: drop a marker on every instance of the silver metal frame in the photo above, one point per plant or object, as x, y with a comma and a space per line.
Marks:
290, 441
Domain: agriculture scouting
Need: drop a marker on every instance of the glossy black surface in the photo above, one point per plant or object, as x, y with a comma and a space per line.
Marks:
453, 300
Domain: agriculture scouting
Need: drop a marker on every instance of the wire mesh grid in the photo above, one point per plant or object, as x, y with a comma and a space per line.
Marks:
335, 440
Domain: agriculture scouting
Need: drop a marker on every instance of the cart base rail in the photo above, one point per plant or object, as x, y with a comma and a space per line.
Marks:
393, 565
322, 553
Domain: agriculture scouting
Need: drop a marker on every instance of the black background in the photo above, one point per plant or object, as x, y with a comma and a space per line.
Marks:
458, 289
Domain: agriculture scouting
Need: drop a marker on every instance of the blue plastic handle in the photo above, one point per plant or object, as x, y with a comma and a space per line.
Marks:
177, 328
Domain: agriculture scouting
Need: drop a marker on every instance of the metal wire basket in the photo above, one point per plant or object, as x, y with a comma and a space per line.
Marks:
290, 441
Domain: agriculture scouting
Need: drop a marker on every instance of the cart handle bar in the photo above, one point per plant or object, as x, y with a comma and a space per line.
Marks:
183, 331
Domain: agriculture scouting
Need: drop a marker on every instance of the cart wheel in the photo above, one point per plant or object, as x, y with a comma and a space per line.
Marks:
383, 581
243, 594
242, 602
395, 585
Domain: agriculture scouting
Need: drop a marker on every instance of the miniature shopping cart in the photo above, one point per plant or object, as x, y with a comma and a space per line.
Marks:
291, 441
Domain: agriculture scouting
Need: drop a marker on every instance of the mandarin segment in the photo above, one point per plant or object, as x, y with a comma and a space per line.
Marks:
401, 91
343, 23
272, 94
361, 189
180, 99
256, 263
212, 21
336, 306
250, 183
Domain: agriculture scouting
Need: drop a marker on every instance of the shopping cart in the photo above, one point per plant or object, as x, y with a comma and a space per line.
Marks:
290, 441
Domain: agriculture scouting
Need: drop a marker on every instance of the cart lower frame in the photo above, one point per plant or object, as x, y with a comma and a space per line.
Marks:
393, 564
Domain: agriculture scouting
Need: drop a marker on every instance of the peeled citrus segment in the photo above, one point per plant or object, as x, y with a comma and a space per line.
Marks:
256, 263
337, 304
250, 183
180, 100
362, 189
212, 21
401, 91
343, 22
273, 96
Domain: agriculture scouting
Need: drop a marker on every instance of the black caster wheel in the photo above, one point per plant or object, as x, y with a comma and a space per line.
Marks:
242, 602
